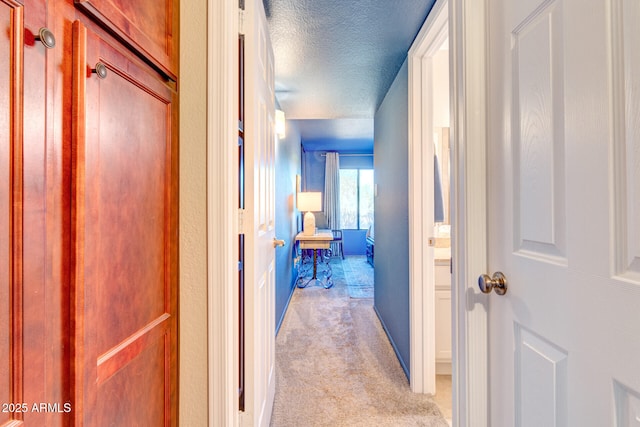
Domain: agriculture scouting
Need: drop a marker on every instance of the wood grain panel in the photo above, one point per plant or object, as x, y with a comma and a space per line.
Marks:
128, 187
38, 228
147, 26
9, 281
136, 394
124, 235
46, 222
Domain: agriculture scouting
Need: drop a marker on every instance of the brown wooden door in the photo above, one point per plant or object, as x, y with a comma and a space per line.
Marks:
33, 228
124, 239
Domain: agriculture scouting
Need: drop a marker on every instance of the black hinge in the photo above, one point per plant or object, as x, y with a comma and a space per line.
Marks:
241, 4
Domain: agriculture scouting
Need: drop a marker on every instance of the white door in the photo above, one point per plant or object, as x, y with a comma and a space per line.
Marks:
259, 217
564, 212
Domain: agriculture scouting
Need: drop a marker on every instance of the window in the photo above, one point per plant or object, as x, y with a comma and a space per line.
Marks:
356, 198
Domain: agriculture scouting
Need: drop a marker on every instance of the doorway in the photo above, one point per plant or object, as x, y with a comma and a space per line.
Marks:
467, 43
429, 220
442, 227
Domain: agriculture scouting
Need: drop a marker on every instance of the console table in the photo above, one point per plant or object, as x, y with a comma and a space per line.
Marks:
320, 244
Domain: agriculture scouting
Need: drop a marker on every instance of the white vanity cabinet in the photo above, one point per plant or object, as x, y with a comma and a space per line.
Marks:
443, 316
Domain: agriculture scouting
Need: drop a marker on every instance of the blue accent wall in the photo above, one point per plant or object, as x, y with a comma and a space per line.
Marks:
356, 162
287, 167
313, 165
391, 300
313, 171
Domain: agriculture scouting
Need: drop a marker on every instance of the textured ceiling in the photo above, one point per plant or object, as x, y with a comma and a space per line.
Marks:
336, 59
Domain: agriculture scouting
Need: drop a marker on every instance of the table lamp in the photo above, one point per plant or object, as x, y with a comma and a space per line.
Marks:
309, 201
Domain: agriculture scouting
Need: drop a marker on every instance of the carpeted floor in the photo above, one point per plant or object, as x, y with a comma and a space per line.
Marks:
335, 366
359, 276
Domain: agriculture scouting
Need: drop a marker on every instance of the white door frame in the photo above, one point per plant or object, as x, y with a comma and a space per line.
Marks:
468, 213
421, 200
222, 211
467, 37
468, 32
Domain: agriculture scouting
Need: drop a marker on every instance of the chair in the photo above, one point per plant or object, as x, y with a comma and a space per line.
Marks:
337, 241
370, 239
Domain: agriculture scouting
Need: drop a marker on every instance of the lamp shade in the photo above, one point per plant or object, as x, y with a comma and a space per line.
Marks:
310, 201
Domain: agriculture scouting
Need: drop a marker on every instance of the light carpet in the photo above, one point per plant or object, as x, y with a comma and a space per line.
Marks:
336, 367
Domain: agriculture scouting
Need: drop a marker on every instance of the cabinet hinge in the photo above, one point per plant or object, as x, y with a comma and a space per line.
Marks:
241, 21
241, 221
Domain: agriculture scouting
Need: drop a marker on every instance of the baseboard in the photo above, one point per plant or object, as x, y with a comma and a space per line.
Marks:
393, 344
443, 367
286, 306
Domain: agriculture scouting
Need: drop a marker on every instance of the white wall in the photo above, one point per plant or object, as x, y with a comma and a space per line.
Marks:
441, 89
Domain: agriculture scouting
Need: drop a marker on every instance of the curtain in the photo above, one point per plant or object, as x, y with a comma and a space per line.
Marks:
332, 190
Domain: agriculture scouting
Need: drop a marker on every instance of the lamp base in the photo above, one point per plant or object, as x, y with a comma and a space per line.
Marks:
309, 225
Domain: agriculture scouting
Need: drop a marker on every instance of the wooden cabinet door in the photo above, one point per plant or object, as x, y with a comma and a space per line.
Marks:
33, 223
147, 26
124, 239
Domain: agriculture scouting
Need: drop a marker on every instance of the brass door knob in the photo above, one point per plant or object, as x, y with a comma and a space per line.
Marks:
277, 242
498, 283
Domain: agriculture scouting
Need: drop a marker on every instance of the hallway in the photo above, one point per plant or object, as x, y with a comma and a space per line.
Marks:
336, 367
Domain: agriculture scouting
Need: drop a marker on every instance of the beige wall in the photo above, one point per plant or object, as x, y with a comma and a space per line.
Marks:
193, 210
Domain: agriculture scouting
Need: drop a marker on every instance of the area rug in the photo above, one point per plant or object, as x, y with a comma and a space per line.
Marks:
335, 366
359, 276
